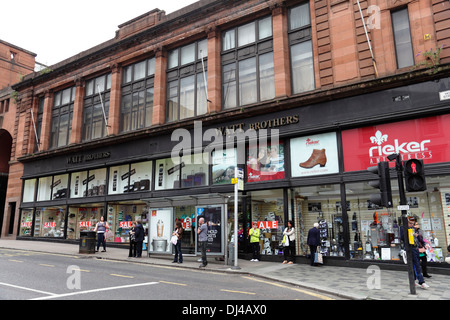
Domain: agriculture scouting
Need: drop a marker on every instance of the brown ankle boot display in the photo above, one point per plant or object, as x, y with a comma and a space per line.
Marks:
317, 157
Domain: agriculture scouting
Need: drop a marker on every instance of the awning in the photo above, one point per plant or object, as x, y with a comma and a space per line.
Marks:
197, 200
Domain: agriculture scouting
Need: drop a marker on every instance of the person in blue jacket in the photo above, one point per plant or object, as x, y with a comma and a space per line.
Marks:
313, 241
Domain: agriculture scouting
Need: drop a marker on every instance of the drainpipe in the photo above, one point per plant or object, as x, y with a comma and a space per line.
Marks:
367, 37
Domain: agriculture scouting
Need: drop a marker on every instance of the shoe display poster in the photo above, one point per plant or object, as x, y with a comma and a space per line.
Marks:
314, 155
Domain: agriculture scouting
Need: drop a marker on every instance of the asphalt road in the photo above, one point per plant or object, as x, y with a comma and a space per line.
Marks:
44, 276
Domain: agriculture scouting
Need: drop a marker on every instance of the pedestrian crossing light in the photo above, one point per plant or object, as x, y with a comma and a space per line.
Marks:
414, 175
384, 198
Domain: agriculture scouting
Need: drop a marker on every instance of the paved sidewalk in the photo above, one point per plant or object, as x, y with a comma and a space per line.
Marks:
345, 282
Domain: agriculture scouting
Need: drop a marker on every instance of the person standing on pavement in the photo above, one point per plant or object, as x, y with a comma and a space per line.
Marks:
179, 233
289, 251
139, 237
254, 234
101, 227
313, 241
422, 250
415, 253
202, 233
132, 234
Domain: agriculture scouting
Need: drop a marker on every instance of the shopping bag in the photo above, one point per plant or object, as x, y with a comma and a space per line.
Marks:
285, 241
318, 258
174, 239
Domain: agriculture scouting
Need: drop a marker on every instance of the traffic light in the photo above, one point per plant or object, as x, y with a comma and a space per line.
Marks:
384, 198
414, 175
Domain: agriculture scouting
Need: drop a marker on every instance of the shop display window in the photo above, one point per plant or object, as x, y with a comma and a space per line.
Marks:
375, 232
78, 183
167, 174
265, 162
44, 189
186, 215
189, 171
96, 183
26, 222
121, 215
118, 179
321, 204
267, 209
49, 222
60, 186
83, 219
140, 176
223, 166
29, 190
195, 171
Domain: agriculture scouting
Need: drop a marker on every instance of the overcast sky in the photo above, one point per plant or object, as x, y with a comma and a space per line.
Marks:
56, 30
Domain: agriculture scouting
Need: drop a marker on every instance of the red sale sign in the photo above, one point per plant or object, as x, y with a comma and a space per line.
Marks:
85, 224
267, 224
50, 224
125, 224
424, 139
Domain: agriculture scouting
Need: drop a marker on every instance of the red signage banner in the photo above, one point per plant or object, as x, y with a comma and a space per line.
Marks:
267, 224
424, 139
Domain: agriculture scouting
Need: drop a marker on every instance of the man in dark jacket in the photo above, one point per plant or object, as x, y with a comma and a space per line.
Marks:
313, 241
139, 238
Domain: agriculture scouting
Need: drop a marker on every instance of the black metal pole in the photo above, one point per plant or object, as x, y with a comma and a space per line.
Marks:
401, 188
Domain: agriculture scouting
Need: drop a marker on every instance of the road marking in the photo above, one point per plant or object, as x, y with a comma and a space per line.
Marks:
53, 296
234, 291
317, 295
47, 265
120, 275
14, 260
28, 289
174, 283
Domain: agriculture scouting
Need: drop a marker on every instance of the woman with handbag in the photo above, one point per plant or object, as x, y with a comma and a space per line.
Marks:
178, 233
289, 250
422, 250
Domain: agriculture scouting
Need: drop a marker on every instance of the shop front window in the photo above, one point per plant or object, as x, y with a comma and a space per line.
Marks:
321, 204
186, 172
375, 232
97, 183
186, 215
120, 217
49, 222
267, 209
83, 219
44, 189
59, 186
78, 184
29, 190
26, 222
265, 162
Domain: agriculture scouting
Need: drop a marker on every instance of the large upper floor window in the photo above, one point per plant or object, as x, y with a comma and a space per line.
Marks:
38, 124
186, 81
302, 67
247, 64
136, 110
402, 38
62, 117
96, 107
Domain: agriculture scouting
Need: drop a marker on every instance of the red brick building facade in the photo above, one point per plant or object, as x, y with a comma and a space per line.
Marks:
294, 54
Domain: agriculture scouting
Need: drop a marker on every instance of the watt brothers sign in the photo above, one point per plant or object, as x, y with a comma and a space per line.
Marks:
77, 159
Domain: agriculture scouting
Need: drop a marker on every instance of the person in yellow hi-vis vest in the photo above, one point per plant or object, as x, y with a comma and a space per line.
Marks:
254, 233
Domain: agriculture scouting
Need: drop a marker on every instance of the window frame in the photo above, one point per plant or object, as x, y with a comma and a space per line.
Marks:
398, 56
62, 109
233, 58
177, 74
138, 114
